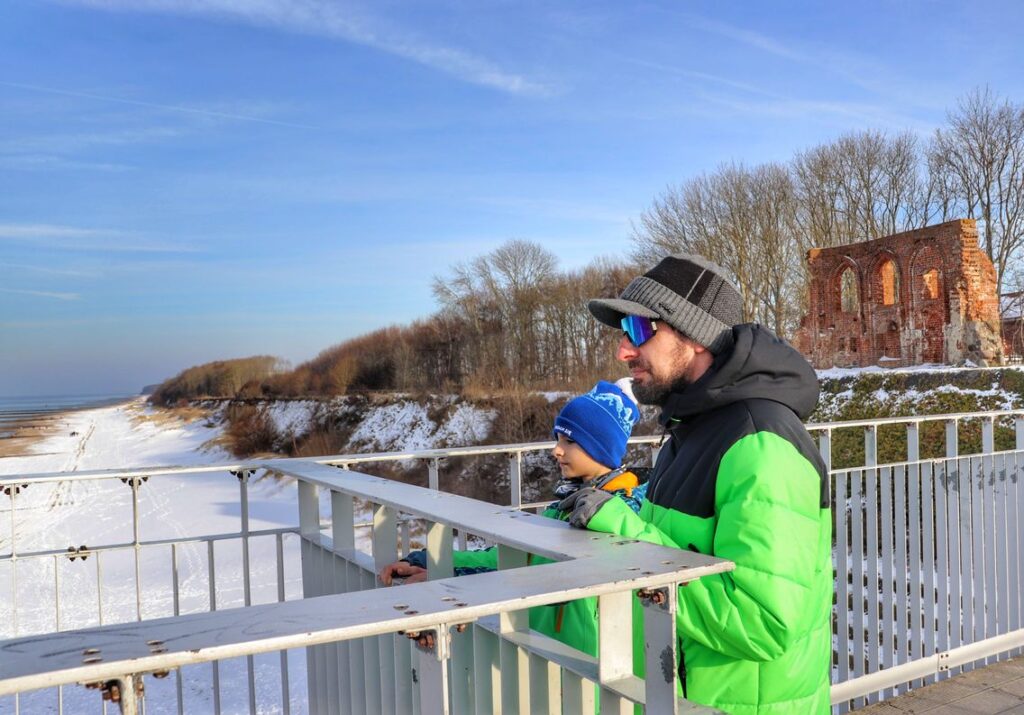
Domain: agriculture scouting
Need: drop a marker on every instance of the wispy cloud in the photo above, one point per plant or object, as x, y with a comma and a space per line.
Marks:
44, 294
858, 69
48, 270
74, 238
339, 21
48, 162
155, 105
750, 38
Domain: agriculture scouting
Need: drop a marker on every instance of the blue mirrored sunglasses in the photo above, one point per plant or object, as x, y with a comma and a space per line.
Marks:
639, 330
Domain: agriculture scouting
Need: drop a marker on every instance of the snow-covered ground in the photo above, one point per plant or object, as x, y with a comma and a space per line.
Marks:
62, 514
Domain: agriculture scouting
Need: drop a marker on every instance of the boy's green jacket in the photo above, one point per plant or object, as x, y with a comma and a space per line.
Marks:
741, 479
574, 622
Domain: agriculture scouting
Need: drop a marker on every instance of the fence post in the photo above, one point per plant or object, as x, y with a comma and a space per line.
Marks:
952, 439
433, 474
515, 478
871, 445
825, 448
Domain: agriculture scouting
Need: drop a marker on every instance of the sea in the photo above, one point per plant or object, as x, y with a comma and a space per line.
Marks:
19, 409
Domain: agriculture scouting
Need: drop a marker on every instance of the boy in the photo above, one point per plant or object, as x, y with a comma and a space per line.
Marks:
591, 433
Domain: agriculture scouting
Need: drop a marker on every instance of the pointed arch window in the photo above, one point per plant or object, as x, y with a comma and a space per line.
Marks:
931, 285
849, 300
890, 283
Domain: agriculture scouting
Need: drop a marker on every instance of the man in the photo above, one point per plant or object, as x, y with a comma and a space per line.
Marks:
739, 478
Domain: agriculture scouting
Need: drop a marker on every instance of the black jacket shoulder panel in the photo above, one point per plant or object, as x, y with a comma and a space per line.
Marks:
685, 476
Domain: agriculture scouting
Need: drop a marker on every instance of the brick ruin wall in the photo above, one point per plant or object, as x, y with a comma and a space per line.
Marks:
923, 296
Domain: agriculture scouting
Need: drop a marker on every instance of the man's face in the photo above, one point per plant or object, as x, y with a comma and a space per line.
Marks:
665, 363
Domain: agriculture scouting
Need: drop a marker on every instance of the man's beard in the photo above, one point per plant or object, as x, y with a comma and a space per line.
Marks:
657, 392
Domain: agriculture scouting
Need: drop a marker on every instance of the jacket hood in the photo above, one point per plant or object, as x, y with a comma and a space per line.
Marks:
760, 366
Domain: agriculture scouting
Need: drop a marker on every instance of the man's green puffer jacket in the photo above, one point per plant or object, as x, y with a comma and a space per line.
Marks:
741, 479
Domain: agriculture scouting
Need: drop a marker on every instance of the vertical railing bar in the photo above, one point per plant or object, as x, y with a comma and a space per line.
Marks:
433, 474
1013, 516
886, 486
357, 648
176, 606
1017, 571
212, 578
999, 557
871, 446
956, 615
309, 544
14, 581
871, 524
56, 617
385, 551
343, 537
952, 439
933, 515
825, 448
243, 489
99, 586
843, 573
981, 495
286, 706
515, 478
860, 589
510, 656
56, 592
136, 547
923, 569
901, 581
913, 525
943, 519
967, 561
14, 566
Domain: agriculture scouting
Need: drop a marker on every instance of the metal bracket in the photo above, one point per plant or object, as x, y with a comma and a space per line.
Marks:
650, 597
134, 482
943, 662
81, 552
436, 640
126, 692
13, 489
242, 474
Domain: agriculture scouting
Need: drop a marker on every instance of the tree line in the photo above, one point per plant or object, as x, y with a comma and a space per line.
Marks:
512, 319
759, 221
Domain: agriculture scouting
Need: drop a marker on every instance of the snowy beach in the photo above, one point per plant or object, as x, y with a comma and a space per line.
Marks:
44, 589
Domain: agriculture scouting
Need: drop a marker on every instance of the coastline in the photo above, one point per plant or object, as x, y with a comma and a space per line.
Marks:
22, 430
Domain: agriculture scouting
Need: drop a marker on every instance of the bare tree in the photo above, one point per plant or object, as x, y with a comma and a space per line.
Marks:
982, 153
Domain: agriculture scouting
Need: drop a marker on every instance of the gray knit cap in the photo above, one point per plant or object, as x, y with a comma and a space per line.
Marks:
686, 291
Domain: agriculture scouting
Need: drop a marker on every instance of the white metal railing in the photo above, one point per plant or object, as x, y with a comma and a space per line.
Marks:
937, 536
377, 672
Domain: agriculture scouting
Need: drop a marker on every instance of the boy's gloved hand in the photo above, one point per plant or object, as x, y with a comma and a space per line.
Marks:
583, 504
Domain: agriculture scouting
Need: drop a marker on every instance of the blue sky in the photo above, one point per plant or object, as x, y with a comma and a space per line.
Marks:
189, 180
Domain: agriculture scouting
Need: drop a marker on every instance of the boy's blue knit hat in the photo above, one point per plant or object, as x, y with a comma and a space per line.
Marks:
600, 422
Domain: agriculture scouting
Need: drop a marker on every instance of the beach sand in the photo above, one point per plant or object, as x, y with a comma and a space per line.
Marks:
18, 438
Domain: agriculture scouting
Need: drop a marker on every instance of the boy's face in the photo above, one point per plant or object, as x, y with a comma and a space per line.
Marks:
574, 462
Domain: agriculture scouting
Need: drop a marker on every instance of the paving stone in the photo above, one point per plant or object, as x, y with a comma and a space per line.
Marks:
1013, 687
989, 702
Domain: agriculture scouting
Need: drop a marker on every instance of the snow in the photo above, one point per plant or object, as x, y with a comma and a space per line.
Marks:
97, 513
838, 373
407, 426
292, 417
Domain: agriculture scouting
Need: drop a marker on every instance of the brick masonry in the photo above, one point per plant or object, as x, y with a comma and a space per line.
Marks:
924, 296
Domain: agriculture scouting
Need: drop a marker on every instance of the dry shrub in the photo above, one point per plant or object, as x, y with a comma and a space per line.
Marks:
250, 431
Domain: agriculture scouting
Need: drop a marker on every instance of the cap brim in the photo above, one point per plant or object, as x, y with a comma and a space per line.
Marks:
611, 311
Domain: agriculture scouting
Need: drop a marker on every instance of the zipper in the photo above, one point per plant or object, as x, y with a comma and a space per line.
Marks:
682, 665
